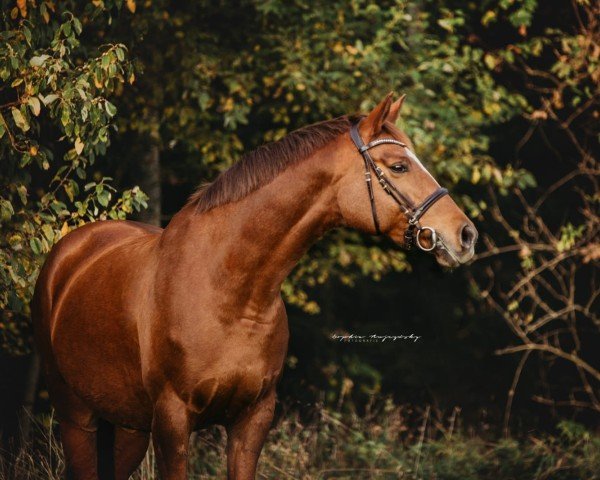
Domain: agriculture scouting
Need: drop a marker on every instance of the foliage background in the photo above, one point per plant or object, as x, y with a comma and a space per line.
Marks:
109, 107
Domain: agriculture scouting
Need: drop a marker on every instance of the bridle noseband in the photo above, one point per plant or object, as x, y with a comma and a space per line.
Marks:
413, 213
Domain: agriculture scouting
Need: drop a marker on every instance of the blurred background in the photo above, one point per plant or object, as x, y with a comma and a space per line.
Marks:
120, 109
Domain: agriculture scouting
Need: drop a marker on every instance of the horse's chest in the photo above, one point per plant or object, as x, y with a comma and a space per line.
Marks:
226, 368
224, 396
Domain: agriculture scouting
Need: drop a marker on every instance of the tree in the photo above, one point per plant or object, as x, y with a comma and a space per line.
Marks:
550, 299
196, 84
215, 82
55, 121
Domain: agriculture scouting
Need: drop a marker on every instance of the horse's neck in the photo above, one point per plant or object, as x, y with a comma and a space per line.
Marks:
249, 247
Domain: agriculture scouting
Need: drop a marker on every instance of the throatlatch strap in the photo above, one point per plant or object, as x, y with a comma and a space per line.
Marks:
371, 196
363, 151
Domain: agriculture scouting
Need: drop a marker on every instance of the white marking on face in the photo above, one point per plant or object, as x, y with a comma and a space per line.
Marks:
415, 159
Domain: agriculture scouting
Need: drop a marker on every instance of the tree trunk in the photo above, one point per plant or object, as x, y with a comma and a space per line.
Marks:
149, 182
29, 396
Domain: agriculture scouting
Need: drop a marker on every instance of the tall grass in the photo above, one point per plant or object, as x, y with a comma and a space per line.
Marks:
373, 446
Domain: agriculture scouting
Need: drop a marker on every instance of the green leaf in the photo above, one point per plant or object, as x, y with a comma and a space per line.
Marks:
36, 245
64, 117
110, 108
38, 61
22, 191
20, 120
27, 34
104, 198
48, 232
48, 99
6, 210
76, 26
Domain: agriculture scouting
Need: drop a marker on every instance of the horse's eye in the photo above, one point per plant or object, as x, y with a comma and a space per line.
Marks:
399, 168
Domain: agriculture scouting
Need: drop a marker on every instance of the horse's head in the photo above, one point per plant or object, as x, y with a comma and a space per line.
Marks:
384, 188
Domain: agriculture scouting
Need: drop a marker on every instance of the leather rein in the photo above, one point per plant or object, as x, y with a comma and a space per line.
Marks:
412, 212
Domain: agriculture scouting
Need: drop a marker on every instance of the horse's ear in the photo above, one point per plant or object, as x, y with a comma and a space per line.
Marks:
372, 125
395, 109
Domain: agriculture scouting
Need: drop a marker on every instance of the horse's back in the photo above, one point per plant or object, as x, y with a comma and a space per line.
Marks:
73, 252
74, 319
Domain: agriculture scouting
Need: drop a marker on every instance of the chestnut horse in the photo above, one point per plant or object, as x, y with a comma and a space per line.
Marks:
168, 331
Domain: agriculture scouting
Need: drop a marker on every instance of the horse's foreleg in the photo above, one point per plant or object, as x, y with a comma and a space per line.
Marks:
170, 436
129, 451
79, 446
245, 439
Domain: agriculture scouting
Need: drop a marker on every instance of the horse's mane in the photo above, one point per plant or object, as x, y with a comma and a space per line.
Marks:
261, 166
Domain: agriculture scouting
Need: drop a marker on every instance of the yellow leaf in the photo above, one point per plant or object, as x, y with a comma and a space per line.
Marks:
34, 105
64, 230
79, 146
489, 16
497, 175
69, 191
539, 115
490, 61
131, 5
228, 106
523, 30
22, 5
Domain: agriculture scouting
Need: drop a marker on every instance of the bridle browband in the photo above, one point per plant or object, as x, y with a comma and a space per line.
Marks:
413, 213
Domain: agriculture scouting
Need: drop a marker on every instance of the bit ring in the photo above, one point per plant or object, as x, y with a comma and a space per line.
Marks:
433, 239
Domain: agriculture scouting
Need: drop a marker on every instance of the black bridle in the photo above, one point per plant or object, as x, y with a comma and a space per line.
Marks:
412, 212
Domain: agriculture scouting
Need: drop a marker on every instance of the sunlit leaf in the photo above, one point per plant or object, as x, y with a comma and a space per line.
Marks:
34, 105
20, 119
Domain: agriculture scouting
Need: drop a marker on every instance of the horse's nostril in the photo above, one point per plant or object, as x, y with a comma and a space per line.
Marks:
468, 234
